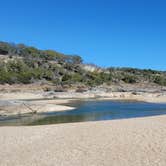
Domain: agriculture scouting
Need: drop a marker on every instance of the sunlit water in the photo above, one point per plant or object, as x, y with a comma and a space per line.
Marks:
90, 111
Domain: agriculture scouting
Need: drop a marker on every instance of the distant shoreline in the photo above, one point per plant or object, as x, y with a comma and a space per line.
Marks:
14, 103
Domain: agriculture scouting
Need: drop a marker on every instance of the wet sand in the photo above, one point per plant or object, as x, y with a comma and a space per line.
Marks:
138, 142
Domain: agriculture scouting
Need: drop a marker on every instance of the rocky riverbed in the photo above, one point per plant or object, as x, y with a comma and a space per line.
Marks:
20, 99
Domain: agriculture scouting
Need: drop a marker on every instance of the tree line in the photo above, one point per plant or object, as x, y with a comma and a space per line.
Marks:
26, 65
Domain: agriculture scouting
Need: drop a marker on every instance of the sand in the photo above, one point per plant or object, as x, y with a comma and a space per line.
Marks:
129, 142
141, 96
20, 95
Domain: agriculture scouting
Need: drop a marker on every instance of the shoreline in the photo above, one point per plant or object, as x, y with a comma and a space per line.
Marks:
36, 102
125, 142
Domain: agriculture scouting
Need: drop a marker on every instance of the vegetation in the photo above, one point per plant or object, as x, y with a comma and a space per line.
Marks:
23, 64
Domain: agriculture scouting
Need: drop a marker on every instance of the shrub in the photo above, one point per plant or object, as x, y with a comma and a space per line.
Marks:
160, 80
129, 79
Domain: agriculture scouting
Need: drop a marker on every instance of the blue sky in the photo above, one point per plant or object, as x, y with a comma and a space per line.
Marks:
105, 32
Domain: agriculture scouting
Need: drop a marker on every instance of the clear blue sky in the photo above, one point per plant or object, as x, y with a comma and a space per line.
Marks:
105, 32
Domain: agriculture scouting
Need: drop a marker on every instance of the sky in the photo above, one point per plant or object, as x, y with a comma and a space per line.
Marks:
119, 33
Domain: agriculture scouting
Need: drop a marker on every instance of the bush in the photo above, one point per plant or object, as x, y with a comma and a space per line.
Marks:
29, 64
160, 80
129, 79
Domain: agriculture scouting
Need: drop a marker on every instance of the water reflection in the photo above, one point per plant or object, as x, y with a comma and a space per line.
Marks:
92, 111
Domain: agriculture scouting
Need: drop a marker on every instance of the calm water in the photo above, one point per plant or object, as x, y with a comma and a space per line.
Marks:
90, 111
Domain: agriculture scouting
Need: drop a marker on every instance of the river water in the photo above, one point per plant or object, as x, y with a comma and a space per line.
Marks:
90, 111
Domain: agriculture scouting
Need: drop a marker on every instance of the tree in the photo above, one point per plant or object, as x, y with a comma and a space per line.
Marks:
76, 59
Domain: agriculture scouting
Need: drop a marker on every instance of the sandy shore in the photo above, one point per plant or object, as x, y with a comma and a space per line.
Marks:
64, 96
130, 142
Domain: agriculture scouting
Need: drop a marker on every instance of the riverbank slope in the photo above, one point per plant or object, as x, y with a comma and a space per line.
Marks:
129, 142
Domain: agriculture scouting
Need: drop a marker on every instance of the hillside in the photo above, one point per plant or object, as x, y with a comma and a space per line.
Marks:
23, 64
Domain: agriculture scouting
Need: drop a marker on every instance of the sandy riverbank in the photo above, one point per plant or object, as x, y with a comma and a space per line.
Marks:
157, 97
138, 142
